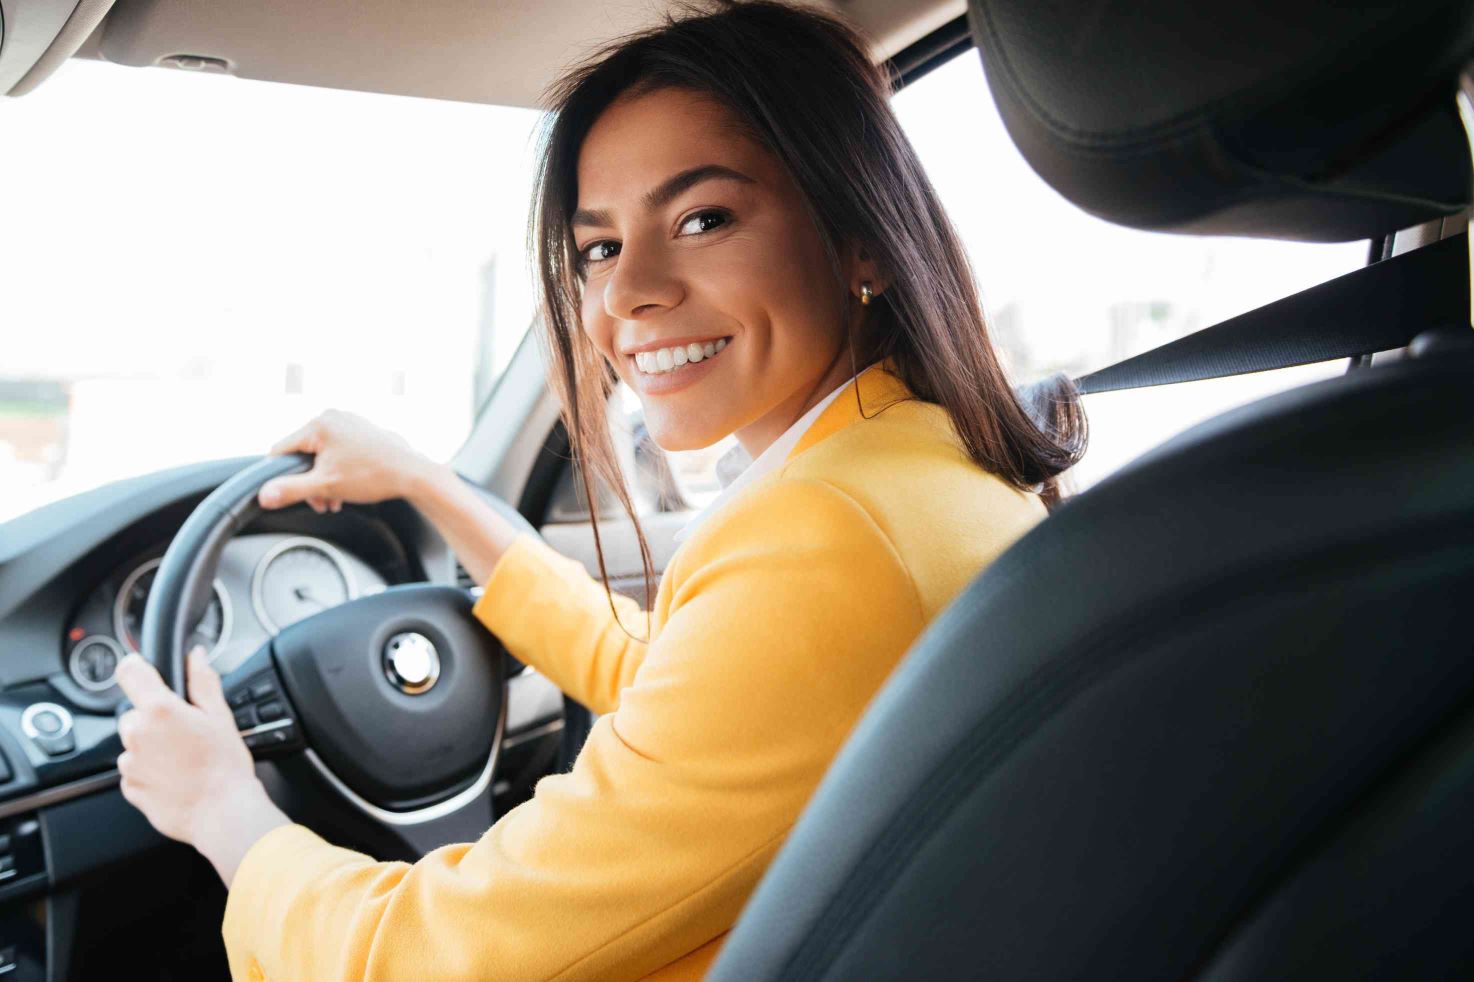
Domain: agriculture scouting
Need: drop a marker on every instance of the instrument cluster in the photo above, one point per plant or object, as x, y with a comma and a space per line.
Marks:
265, 582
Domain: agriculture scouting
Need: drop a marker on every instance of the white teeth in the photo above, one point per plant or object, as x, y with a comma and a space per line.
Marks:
669, 359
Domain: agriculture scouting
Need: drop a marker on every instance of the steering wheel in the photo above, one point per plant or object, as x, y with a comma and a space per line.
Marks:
397, 699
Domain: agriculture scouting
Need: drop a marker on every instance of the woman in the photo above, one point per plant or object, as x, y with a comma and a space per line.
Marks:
729, 219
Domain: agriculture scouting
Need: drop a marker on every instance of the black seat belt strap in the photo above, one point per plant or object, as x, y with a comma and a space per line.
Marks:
1374, 308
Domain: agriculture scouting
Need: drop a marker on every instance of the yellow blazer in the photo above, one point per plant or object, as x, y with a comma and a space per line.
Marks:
772, 628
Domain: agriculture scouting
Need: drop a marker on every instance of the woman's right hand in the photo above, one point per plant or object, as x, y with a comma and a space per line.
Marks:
354, 461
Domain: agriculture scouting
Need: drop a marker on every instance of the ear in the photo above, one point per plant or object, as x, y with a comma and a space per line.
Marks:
861, 267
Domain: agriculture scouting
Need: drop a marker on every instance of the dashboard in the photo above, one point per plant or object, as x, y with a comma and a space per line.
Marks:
75, 576
265, 582
75, 579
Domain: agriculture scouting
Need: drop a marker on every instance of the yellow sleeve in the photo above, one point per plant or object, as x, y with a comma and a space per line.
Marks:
551, 614
786, 615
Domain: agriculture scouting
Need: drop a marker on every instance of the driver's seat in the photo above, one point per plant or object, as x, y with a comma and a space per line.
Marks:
1213, 719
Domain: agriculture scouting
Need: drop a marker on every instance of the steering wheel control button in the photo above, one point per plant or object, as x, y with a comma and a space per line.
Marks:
263, 688
240, 697
278, 734
245, 718
269, 711
411, 662
49, 727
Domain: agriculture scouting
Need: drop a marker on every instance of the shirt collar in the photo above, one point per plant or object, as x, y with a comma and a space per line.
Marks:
878, 386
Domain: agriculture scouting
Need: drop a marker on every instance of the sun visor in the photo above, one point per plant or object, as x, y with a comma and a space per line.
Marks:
36, 36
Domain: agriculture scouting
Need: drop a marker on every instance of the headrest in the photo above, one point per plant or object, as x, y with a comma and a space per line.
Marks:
1289, 119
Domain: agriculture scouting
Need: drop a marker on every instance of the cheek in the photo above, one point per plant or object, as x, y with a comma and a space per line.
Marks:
598, 327
782, 287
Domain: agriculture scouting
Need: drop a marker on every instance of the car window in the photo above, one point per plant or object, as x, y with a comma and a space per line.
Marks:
192, 266
1065, 291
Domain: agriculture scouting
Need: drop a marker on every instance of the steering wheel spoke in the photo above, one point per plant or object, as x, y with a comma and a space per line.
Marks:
263, 712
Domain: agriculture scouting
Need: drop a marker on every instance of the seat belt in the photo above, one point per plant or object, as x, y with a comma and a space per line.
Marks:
1374, 308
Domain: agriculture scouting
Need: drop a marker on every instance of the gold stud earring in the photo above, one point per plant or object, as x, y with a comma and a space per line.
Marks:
865, 294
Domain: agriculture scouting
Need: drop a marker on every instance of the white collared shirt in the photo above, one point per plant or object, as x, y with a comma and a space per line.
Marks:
734, 476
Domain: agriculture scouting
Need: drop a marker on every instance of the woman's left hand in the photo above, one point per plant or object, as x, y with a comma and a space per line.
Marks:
185, 766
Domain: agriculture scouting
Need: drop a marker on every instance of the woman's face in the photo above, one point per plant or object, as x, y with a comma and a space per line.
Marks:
693, 239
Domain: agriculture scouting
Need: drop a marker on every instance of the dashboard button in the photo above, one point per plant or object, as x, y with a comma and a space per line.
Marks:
49, 726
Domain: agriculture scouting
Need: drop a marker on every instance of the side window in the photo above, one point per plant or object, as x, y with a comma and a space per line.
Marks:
1065, 291
660, 481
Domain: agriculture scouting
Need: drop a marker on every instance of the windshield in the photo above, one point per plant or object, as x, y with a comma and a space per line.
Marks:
193, 266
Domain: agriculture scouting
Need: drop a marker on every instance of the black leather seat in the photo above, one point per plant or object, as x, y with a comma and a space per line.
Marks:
1214, 718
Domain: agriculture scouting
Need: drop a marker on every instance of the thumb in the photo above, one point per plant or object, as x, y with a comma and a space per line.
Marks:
287, 490
204, 683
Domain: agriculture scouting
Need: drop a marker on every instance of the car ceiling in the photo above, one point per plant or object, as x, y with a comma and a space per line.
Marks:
502, 53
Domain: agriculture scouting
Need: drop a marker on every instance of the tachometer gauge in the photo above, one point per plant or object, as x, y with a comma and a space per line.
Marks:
297, 578
93, 662
212, 631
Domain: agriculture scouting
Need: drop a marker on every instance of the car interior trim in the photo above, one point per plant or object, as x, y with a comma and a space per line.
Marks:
428, 813
84, 19
61, 792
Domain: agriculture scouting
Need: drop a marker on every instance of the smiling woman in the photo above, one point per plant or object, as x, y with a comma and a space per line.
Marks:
757, 226
729, 220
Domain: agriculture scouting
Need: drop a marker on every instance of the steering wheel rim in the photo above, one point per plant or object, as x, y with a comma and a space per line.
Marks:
181, 590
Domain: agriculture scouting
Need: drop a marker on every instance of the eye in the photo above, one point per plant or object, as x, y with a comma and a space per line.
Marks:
704, 221
596, 252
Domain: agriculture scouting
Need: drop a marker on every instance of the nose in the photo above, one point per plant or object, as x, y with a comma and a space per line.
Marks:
642, 284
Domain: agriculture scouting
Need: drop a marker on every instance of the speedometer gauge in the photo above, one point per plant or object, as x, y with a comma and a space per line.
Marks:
297, 578
212, 631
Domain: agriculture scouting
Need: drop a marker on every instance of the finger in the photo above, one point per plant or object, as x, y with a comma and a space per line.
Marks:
335, 505
127, 765
205, 689
317, 504
126, 724
288, 490
141, 682
304, 437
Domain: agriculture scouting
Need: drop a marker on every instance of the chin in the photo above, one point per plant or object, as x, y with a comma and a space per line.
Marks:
673, 435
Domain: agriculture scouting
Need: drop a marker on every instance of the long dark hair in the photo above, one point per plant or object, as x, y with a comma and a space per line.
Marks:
803, 85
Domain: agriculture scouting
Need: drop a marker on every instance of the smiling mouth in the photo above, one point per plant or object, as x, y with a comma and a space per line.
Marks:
663, 361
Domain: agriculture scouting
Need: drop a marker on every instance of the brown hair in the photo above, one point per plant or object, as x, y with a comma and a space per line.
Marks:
803, 85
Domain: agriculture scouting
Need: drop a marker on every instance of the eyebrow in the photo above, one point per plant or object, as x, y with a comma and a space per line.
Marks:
665, 192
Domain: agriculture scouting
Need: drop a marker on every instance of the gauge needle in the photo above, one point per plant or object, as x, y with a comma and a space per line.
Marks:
302, 593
